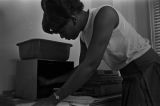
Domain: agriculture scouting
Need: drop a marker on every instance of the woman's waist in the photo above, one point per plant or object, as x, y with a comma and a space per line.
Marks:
140, 64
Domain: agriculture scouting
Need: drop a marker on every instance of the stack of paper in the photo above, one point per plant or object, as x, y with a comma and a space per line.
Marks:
86, 100
101, 84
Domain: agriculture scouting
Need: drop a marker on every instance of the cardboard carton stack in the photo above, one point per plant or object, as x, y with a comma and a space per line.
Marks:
106, 83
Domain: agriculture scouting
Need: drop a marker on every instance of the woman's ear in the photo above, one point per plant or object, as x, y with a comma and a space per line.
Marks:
74, 19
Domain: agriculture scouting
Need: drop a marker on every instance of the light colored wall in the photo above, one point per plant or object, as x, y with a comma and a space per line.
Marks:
97, 3
136, 12
142, 18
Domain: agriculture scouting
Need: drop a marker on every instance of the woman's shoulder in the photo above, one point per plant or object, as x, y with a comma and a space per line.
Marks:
107, 9
103, 7
107, 13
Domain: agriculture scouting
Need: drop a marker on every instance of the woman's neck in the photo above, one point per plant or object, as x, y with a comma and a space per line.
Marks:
84, 19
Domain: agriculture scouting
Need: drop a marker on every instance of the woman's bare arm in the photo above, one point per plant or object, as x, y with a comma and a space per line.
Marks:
105, 21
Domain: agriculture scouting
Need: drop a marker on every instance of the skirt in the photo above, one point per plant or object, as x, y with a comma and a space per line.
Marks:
141, 81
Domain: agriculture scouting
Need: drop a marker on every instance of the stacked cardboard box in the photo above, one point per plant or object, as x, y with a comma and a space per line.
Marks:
102, 84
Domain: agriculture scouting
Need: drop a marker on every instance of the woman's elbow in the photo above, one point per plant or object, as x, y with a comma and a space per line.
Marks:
92, 66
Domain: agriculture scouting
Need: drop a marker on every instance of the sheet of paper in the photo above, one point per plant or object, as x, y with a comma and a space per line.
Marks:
71, 104
60, 104
25, 104
80, 99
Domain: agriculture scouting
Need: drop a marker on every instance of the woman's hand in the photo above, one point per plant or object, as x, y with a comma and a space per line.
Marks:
43, 81
46, 102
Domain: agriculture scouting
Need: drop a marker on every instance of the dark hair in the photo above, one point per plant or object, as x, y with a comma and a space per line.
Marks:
59, 11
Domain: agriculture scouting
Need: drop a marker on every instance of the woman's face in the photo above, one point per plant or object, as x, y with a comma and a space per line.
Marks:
70, 30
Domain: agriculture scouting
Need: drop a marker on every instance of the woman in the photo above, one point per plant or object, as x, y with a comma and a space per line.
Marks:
104, 34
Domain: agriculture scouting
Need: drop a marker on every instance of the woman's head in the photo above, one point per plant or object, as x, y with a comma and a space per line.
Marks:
57, 13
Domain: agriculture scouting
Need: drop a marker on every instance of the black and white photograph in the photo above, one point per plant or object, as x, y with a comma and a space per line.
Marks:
79, 52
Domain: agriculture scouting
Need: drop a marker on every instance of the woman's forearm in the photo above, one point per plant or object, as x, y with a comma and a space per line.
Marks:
62, 78
77, 79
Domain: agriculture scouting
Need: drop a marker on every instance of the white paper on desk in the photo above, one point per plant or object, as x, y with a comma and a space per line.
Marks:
84, 100
70, 104
80, 99
25, 104
63, 104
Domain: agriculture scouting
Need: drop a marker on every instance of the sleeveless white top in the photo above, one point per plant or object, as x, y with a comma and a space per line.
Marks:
125, 44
